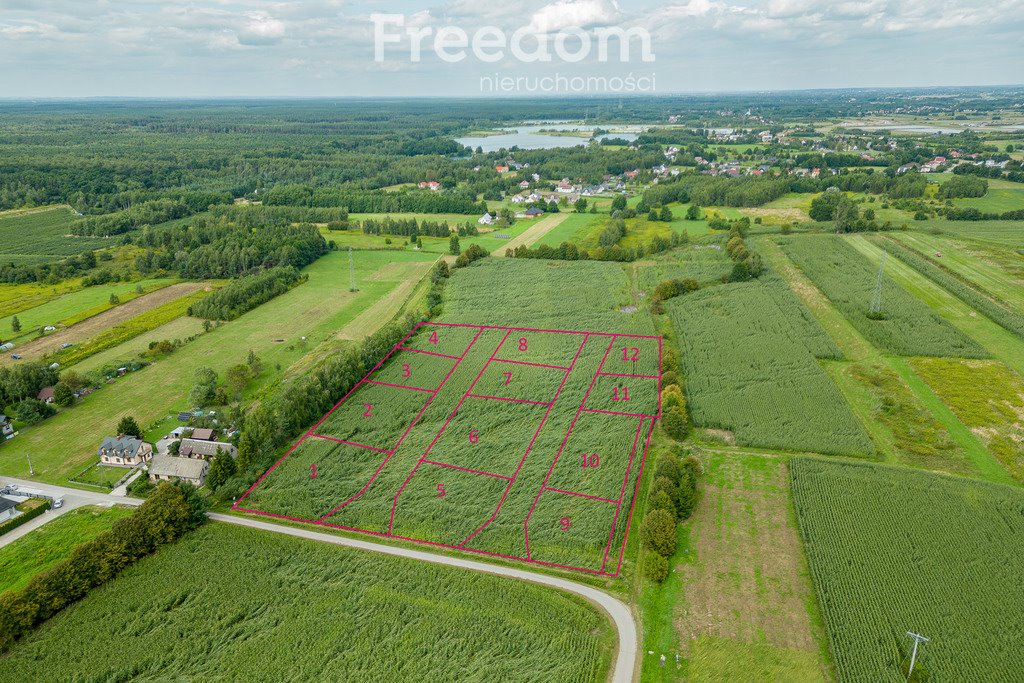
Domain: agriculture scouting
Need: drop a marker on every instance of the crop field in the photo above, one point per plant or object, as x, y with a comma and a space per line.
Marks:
988, 398
49, 544
520, 443
545, 294
41, 235
751, 367
996, 200
705, 263
74, 307
750, 357
909, 327
573, 228
271, 607
895, 550
1004, 233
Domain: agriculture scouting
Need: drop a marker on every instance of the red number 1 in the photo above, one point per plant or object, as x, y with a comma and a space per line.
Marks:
312, 471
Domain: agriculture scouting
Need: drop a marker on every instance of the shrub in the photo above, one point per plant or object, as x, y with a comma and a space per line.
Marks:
658, 532
655, 567
675, 422
669, 377
661, 500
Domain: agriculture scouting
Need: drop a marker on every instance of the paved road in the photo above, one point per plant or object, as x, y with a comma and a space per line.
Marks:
622, 617
73, 498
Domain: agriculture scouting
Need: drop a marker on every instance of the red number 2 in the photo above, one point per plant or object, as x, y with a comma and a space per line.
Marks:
369, 407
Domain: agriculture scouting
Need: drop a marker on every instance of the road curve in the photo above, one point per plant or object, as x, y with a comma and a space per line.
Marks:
622, 618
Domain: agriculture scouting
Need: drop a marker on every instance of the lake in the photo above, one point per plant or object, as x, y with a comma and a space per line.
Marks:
529, 137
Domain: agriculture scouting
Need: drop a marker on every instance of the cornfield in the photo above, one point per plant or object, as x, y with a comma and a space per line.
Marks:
228, 603
897, 550
909, 327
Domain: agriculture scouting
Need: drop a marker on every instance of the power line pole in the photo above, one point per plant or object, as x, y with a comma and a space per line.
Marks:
918, 639
876, 298
31, 471
351, 272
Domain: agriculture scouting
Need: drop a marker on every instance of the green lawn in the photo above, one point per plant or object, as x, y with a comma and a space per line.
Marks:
996, 200
430, 245
318, 309
44, 547
230, 603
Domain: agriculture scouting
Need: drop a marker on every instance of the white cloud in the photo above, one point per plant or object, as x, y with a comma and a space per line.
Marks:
261, 29
565, 13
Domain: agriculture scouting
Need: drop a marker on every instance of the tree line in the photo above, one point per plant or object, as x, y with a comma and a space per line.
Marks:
246, 293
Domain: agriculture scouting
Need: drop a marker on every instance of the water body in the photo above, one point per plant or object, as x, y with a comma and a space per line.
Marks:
529, 137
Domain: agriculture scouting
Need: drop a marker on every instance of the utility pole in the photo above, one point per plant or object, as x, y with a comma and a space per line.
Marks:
918, 639
876, 299
31, 471
351, 272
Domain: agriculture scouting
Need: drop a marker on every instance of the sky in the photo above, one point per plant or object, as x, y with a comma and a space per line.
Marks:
327, 48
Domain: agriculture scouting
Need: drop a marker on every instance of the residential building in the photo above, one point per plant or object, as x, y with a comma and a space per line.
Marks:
45, 395
203, 434
8, 509
430, 185
533, 212
486, 219
124, 451
168, 468
192, 448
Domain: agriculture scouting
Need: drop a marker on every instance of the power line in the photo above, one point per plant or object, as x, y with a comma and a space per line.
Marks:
918, 640
876, 298
351, 272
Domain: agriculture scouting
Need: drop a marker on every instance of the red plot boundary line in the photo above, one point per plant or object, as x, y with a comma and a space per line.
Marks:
604, 569
529, 448
616, 374
622, 493
632, 507
584, 495
349, 443
428, 353
394, 503
532, 365
400, 386
547, 477
615, 412
335, 407
513, 400
465, 469
536, 329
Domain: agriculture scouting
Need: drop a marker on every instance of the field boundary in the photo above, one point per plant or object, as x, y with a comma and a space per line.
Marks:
607, 563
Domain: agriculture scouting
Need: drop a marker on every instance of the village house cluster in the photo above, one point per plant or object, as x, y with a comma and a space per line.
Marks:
184, 454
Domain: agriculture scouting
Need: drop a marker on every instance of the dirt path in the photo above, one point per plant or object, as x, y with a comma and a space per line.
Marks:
533, 234
102, 321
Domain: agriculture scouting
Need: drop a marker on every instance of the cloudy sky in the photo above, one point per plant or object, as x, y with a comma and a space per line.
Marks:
178, 48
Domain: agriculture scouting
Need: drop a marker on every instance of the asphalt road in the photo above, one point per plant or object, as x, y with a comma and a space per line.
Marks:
622, 617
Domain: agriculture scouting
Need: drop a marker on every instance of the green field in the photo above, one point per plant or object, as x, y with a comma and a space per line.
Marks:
1002, 233
320, 309
909, 326
1000, 273
476, 454
431, 245
75, 307
706, 263
574, 228
564, 295
749, 355
894, 550
30, 236
268, 607
49, 544
996, 200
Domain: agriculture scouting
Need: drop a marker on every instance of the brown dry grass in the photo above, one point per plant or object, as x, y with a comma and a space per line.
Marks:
534, 233
748, 581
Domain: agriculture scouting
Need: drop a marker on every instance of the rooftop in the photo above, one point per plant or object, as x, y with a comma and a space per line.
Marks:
168, 466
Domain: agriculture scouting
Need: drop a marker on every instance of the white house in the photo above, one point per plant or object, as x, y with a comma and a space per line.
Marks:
486, 219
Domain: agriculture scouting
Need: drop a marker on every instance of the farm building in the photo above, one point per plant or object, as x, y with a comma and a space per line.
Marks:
124, 451
204, 450
168, 468
202, 434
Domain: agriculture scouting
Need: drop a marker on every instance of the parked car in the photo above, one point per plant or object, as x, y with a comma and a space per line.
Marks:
15, 356
66, 345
